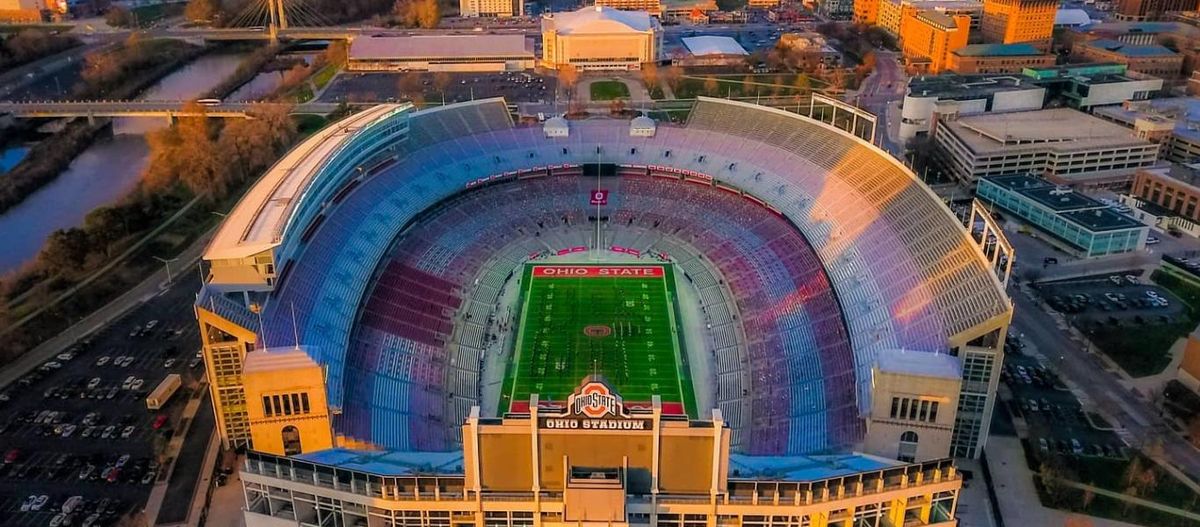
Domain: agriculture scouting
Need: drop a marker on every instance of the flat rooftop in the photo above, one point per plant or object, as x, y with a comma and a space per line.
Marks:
1101, 220
741, 466
388, 463
713, 45
918, 363
1057, 130
1185, 111
1070, 205
967, 87
804, 468
278, 359
440, 47
1130, 50
998, 50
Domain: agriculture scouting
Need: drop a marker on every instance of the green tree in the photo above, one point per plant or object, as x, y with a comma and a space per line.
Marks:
803, 84
118, 16
336, 53
65, 251
201, 10
105, 225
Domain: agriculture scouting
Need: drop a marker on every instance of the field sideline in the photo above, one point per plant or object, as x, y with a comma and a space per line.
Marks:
619, 321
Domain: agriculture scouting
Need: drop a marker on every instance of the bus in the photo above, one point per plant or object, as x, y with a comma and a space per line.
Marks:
163, 392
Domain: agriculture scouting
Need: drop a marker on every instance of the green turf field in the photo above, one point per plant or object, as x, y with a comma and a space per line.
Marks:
624, 328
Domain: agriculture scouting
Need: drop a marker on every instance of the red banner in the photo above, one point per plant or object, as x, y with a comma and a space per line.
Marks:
599, 197
613, 271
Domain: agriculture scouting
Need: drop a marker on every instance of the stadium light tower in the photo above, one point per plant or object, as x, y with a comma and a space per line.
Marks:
596, 255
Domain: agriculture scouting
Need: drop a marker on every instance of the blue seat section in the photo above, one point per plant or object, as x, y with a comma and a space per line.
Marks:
811, 350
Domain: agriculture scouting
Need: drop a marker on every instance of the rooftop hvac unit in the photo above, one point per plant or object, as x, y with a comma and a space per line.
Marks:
1059, 191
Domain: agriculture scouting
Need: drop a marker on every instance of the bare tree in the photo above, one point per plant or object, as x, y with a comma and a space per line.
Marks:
568, 76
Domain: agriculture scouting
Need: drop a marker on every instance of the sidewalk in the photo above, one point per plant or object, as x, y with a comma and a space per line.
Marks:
1019, 503
105, 315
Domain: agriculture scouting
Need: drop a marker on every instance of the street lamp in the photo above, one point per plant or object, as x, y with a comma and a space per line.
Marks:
167, 264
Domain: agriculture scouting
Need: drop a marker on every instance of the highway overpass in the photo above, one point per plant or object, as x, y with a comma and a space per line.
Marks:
168, 109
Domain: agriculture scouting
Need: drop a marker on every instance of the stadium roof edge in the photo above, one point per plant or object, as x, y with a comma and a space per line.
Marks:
253, 226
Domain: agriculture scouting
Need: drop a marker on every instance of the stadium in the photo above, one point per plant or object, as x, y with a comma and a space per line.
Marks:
752, 268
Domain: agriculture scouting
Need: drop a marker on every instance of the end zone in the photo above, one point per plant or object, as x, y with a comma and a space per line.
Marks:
588, 271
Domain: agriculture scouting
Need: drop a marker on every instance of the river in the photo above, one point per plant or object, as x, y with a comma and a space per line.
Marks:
106, 171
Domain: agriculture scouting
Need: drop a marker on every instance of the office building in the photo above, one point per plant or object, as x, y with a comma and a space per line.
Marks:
1066, 146
931, 95
1139, 10
836, 9
491, 8
472, 52
892, 12
1173, 123
1174, 189
1019, 21
928, 38
21, 11
1151, 59
600, 38
866, 12
1074, 222
997, 58
654, 7
1088, 86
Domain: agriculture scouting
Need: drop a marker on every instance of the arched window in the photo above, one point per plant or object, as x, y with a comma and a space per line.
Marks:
908, 447
291, 441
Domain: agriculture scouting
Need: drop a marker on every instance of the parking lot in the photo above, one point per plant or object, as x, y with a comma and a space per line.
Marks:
1113, 299
397, 86
1056, 421
79, 424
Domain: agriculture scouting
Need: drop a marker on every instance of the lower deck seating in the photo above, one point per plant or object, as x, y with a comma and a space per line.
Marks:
779, 349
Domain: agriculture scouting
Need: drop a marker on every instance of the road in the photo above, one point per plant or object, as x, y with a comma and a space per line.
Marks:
883, 86
1073, 361
121, 108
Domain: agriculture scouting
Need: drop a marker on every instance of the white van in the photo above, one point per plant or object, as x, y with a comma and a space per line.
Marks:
71, 504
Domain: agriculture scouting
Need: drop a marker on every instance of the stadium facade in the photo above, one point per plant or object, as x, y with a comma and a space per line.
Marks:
358, 305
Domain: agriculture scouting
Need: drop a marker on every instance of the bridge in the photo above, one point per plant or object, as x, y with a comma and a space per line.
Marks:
168, 109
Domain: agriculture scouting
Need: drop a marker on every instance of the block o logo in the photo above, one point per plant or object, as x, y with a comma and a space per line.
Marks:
594, 400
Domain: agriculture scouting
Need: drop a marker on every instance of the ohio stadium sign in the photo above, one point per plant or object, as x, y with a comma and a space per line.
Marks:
594, 406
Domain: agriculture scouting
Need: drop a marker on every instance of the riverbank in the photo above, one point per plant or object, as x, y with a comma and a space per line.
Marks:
51, 156
144, 229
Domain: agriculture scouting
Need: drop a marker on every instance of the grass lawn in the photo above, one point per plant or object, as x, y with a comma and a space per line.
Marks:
623, 327
149, 13
322, 78
1110, 474
763, 85
308, 124
609, 90
17, 28
1140, 351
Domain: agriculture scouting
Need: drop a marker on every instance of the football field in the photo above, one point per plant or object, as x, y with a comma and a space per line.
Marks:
618, 321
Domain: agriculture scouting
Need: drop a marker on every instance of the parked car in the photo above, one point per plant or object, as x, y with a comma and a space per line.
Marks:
103, 360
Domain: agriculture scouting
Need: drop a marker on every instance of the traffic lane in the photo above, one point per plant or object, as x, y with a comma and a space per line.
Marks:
1101, 386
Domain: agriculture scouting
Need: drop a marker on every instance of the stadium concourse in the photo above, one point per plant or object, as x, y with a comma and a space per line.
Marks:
388, 248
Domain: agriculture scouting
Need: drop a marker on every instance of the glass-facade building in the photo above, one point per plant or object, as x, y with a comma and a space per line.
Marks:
1083, 225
